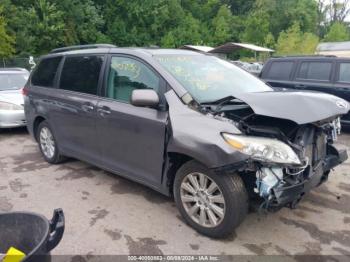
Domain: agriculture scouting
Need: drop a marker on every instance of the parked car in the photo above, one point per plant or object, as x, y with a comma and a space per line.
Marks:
12, 80
328, 74
253, 68
185, 124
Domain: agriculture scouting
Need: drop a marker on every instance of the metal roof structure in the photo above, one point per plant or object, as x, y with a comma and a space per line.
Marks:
198, 48
230, 47
334, 46
339, 49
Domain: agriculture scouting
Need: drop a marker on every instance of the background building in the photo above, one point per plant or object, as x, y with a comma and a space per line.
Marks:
340, 49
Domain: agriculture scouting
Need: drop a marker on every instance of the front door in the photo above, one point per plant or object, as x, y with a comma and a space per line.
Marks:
132, 138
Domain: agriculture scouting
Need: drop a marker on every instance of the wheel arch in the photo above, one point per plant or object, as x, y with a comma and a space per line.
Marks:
174, 161
37, 121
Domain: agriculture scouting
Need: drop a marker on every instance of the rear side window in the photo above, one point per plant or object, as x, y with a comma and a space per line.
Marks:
45, 73
344, 72
315, 71
81, 74
280, 70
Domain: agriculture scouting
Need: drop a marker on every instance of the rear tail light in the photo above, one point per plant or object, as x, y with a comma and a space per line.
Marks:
25, 91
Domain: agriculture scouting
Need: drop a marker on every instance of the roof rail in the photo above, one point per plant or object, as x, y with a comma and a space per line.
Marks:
296, 56
78, 47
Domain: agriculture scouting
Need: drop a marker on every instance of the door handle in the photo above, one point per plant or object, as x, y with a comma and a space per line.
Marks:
104, 111
300, 86
87, 107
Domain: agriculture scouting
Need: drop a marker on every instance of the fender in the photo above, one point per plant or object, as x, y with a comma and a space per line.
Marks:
199, 136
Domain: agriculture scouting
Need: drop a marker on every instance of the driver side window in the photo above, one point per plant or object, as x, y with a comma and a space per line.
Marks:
127, 74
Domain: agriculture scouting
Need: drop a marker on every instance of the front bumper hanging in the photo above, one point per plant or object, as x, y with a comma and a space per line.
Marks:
284, 194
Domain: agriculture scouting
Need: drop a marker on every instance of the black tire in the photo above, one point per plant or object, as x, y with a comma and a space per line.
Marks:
233, 191
57, 157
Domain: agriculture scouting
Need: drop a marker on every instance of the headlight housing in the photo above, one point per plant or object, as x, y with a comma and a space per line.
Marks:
263, 149
9, 106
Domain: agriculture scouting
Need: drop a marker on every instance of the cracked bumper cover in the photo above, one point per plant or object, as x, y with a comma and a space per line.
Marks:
289, 194
285, 195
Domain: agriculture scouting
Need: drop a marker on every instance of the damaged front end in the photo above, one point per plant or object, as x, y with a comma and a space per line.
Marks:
285, 185
288, 154
281, 150
293, 159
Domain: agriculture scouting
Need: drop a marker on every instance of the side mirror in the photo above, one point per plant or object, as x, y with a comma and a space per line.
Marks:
144, 97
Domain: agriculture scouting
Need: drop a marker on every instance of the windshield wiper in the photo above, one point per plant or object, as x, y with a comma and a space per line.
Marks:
220, 103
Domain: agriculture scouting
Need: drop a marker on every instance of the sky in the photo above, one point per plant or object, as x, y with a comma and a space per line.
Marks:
339, 1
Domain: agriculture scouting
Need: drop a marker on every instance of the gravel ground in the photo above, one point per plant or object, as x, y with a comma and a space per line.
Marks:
106, 214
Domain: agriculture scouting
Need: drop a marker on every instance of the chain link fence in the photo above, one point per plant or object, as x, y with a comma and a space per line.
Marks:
27, 63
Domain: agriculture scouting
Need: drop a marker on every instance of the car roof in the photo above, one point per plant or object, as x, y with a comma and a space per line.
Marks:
13, 70
320, 58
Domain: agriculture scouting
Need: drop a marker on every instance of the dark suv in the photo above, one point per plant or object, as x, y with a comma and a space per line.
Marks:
326, 74
185, 124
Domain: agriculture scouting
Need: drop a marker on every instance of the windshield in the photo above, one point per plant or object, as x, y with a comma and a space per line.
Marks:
12, 81
208, 78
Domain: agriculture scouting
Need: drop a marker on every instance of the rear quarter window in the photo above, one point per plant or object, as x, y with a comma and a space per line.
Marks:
344, 72
280, 70
319, 71
45, 73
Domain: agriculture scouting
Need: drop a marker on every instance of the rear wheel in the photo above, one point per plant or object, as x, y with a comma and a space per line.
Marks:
48, 144
211, 203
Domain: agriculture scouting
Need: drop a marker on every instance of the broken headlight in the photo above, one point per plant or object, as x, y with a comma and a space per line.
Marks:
263, 149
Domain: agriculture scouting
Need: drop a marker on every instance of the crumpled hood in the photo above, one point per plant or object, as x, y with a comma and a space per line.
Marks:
298, 106
12, 96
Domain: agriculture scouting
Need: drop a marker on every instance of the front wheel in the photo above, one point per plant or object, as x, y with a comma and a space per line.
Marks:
213, 204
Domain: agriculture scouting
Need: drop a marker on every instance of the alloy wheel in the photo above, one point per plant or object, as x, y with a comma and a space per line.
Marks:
202, 199
47, 142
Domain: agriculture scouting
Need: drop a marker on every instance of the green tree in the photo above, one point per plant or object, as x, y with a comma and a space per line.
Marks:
270, 41
46, 22
187, 32
294, 42
134, 23
256, 28
337, 32
309, 43
203, 10
239, 7
38, 25
281, 15
83, 22
6, 41
305, 13
221, 26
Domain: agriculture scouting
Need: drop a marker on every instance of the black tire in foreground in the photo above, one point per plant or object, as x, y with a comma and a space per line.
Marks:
213, 204
48, 144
